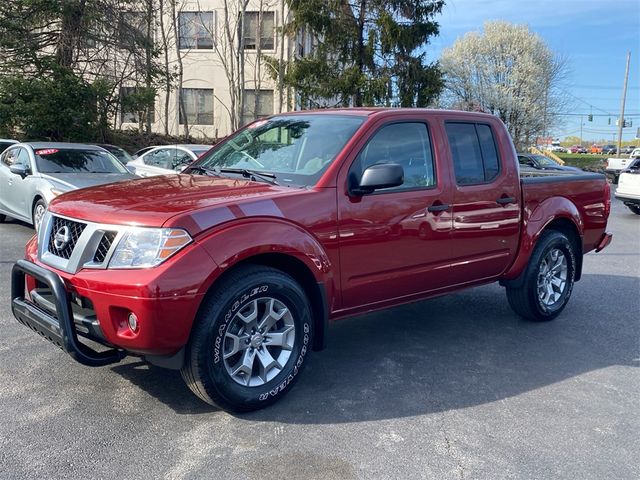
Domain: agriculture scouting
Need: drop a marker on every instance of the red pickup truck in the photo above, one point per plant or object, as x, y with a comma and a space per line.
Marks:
232, 270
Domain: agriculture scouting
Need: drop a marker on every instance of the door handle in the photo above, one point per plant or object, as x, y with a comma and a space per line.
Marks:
506, 200
438, 208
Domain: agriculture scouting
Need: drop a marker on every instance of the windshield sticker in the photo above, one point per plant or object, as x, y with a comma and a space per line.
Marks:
47, 151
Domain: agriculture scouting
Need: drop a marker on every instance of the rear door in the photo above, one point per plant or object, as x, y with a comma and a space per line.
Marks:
394, 243
486, 201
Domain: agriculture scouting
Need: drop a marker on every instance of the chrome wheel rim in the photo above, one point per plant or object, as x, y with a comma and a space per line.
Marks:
258, 342
552, 277
38, 215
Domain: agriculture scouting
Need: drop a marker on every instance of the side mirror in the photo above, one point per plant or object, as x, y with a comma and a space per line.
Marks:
18, 169
384, 175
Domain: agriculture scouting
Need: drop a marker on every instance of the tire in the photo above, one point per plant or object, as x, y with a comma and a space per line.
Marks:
533, 300
225, 325
2, 218
39, 208
634, 208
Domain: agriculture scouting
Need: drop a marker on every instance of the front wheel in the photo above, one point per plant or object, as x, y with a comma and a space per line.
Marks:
548, 280
39, 210
250, 340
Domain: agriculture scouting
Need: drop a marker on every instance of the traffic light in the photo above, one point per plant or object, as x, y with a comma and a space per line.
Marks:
627, 123
590, 117
609, 122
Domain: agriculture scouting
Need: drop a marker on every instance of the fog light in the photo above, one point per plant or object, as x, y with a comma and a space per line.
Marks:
133, 322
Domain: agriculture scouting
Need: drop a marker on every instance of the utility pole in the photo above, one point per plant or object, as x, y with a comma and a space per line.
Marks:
624, 97
581, 131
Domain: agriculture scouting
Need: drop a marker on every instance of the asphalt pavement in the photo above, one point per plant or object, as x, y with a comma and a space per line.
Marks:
456, 387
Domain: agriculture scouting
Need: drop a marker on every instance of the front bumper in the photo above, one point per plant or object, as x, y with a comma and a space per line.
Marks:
59, 329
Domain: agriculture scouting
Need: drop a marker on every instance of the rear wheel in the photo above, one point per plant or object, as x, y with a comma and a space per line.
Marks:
250, 340
39, 210
2, 218
548, 281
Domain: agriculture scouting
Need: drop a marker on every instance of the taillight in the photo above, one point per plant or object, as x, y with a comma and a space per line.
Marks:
607, 199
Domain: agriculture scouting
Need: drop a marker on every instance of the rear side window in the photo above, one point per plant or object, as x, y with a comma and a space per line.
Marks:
474, 153
406, 144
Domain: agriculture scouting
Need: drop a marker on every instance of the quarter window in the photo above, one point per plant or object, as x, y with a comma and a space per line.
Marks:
474, 153
406, 144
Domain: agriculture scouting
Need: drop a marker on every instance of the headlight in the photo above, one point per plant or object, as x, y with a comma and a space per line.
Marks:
148, 247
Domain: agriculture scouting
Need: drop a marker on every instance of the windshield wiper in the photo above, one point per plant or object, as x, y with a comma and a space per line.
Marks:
250, 174
205, 170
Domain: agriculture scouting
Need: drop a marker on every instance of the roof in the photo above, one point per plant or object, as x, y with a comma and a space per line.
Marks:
368, 111
68, 146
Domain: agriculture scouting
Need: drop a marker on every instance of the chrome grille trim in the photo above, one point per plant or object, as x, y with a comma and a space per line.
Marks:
90, 249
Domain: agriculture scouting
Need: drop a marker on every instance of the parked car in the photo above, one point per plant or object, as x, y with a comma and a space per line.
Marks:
629, 186
595, 149
142, 151
577, 149
166, 159
540, 162
32, 174
614, 165
232, 271
6, 143
609, 149
120, 153
628, 149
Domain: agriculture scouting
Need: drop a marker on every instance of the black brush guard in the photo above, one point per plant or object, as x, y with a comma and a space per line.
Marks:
59, 330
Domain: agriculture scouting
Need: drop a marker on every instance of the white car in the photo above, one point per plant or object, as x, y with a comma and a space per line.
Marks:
166, 159
615, 165
629, 187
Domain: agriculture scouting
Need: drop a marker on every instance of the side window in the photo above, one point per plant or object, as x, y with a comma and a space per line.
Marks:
23, 158
406, 144
161, 158
474, 153
11, 157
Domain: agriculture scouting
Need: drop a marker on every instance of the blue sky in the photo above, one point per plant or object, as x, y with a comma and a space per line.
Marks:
594, 36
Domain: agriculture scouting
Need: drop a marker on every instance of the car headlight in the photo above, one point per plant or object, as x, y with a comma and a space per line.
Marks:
148, 247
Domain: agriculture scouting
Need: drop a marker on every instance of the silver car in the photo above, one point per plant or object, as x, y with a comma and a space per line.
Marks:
165, 160
32, 174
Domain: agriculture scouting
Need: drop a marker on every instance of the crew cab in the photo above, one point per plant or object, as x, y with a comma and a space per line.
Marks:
232, 270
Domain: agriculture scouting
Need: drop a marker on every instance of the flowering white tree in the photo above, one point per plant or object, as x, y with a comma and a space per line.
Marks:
508, 71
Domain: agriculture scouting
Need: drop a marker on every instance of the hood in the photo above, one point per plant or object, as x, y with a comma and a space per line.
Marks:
72, 181
192, 202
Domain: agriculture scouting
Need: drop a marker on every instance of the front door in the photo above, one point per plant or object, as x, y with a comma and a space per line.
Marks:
394, 242
14, 192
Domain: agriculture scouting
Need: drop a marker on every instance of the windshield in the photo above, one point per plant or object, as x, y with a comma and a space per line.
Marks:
119, 153
545, 161
53, 160
296, 149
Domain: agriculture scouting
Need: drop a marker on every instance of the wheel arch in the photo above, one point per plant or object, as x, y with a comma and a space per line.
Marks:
279, 245
554, 213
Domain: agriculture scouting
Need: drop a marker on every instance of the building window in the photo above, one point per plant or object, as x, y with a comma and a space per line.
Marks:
196, 30
198, 106
259, 107
135, 30
263, 30
135, 102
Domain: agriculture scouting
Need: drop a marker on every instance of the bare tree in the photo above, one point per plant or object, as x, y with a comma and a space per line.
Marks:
509, 71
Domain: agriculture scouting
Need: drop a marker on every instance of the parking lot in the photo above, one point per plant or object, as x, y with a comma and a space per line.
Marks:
455, 387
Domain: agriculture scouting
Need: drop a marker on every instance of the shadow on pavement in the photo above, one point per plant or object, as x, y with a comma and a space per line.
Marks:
448, 353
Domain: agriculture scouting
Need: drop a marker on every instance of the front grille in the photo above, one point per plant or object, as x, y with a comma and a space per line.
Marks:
103, 247
64, 236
